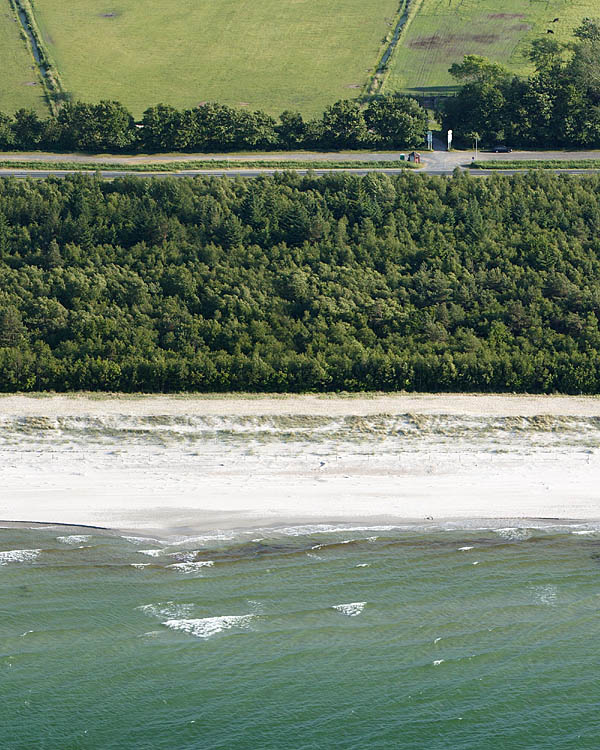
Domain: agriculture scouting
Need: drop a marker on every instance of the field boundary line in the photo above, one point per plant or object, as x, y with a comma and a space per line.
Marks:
24, 36
53, 88
404, 16
372, 85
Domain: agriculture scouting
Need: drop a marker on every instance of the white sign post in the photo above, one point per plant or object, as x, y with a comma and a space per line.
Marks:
430, 140
449, 140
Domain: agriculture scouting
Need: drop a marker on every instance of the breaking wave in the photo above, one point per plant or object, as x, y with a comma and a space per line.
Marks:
74, 538
205, 627
167, 609
350, 610
18, 555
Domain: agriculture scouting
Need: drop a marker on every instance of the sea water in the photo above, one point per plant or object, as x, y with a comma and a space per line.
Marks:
435, 636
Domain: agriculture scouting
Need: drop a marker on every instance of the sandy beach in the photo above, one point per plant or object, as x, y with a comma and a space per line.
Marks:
180, 465
458, 404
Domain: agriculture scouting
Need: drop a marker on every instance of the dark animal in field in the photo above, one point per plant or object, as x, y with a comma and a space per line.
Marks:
555, 20
549, 31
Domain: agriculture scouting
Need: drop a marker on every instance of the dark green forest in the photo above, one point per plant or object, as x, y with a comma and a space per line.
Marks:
293, 283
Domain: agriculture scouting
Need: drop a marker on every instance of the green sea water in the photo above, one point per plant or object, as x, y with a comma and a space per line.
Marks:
434, 637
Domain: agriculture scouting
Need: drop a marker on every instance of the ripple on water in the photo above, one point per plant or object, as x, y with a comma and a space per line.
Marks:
191, 567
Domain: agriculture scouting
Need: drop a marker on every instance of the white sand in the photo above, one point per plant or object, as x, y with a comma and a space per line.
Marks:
180, 487
360, 405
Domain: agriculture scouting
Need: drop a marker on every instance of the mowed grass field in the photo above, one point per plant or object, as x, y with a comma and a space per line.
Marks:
443, 31
260, 54
20, 84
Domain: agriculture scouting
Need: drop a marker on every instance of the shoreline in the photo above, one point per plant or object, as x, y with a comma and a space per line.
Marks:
297, 527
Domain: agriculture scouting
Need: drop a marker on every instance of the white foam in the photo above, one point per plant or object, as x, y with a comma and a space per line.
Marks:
438, 639
207, 626
191, 567
220, 536
464, 549
74, 538
18, 555
513, 534
362, 565
437, 662
142, 539
309, 529
167, 609
350, 610
185, 556
151, 552
546, 594
140, 565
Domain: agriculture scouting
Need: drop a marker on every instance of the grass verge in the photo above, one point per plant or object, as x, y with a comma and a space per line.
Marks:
181, 166
537, 164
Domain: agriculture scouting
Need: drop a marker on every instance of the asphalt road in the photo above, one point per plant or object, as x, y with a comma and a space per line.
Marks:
434, 162
434, 159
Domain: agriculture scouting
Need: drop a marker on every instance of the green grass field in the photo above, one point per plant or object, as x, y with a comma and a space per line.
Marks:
303, 54
267, 54
443, 31
20, 84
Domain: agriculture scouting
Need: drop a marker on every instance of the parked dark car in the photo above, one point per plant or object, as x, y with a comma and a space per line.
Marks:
502, 149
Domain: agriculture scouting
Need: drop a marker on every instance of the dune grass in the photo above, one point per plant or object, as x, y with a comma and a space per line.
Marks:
442, 31
265, 54
20, 84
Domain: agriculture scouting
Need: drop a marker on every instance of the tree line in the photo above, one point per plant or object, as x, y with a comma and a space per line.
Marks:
557, 106
301, 283
391, 121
